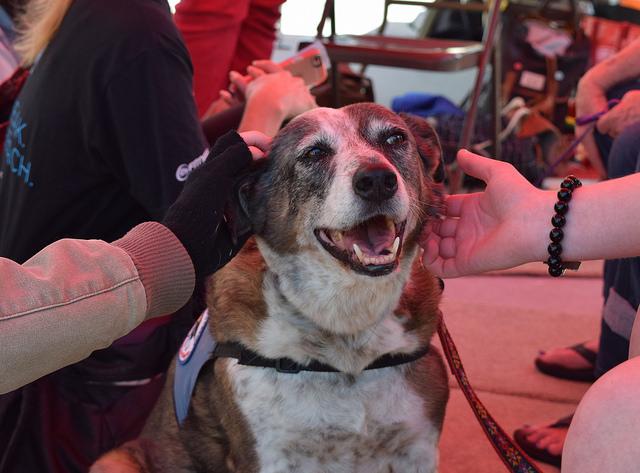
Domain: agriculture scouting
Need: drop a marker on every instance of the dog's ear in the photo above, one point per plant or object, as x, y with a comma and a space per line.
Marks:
428, 145
243, 215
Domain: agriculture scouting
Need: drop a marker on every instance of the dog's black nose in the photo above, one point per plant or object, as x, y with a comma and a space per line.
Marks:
375, 184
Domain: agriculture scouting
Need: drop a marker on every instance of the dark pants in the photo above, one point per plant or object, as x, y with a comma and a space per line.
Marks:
621, 276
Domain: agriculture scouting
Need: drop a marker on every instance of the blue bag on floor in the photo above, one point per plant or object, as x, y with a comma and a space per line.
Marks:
425, 105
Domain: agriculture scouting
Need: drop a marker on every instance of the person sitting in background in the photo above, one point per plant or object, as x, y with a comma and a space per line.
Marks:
102, 136
613, 144
621, 291
614, 78
96, 157
484, 231
224, 36
109, 148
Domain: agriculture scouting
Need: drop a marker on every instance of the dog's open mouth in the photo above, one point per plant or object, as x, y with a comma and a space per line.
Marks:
372, 247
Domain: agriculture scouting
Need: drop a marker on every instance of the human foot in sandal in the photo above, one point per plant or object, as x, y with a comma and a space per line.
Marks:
544, 443
575, 363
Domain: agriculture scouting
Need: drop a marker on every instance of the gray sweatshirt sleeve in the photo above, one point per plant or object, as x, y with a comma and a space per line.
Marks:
77, 296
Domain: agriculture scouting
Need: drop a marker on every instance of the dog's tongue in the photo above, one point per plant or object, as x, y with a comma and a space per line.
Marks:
373, 236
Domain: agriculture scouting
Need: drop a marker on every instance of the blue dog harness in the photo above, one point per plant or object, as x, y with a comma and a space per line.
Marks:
200, 347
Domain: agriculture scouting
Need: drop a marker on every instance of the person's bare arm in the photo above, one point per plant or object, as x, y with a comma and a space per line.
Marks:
619, 68
591, 96
604, 221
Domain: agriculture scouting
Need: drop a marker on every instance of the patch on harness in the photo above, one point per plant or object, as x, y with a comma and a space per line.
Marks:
191, 340
194, 352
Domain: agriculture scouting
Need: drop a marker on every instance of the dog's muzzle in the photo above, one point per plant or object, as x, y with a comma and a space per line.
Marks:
372, 247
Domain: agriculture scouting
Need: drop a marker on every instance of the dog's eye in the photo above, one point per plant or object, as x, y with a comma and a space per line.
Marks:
315, 153
394, 139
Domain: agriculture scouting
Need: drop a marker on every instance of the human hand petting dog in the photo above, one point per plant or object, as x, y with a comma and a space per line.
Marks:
197, 216
489, 230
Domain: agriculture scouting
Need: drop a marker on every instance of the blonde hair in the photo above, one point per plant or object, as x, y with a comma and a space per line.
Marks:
36, 26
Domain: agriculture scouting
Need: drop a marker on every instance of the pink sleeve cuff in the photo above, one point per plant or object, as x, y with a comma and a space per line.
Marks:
163, 264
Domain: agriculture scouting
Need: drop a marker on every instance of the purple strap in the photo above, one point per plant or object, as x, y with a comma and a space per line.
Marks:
584, 120
594, 117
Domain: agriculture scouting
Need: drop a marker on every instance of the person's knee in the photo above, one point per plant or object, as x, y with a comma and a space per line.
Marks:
604, 431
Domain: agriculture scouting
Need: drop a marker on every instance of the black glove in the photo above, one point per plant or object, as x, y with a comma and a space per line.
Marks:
197, 217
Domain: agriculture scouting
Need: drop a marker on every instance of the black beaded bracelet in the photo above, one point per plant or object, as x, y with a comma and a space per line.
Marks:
557, 267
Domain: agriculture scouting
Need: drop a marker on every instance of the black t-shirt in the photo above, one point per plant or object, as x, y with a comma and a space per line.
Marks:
102, 131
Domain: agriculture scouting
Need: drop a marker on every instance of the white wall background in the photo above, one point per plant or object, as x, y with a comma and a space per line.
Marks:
300, 17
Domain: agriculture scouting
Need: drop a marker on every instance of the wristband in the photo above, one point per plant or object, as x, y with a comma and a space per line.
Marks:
557, 267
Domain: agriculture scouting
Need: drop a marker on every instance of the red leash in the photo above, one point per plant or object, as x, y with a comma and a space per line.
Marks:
509, 452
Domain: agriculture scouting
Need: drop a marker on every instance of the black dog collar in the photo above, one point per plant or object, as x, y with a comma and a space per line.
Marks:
285, 365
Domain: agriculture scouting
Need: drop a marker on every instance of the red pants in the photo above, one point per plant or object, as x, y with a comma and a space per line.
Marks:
225, 35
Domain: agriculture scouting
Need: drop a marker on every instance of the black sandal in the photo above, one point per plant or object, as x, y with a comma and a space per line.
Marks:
573, 374
542, 454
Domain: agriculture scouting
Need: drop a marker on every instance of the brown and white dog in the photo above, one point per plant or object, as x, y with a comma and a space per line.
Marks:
332, 277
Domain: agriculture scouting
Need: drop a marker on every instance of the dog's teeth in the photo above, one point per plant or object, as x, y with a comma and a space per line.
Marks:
359, 254
336, 236
394, 248
376, 260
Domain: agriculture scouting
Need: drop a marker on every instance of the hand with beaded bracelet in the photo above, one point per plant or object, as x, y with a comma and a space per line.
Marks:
509, 223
